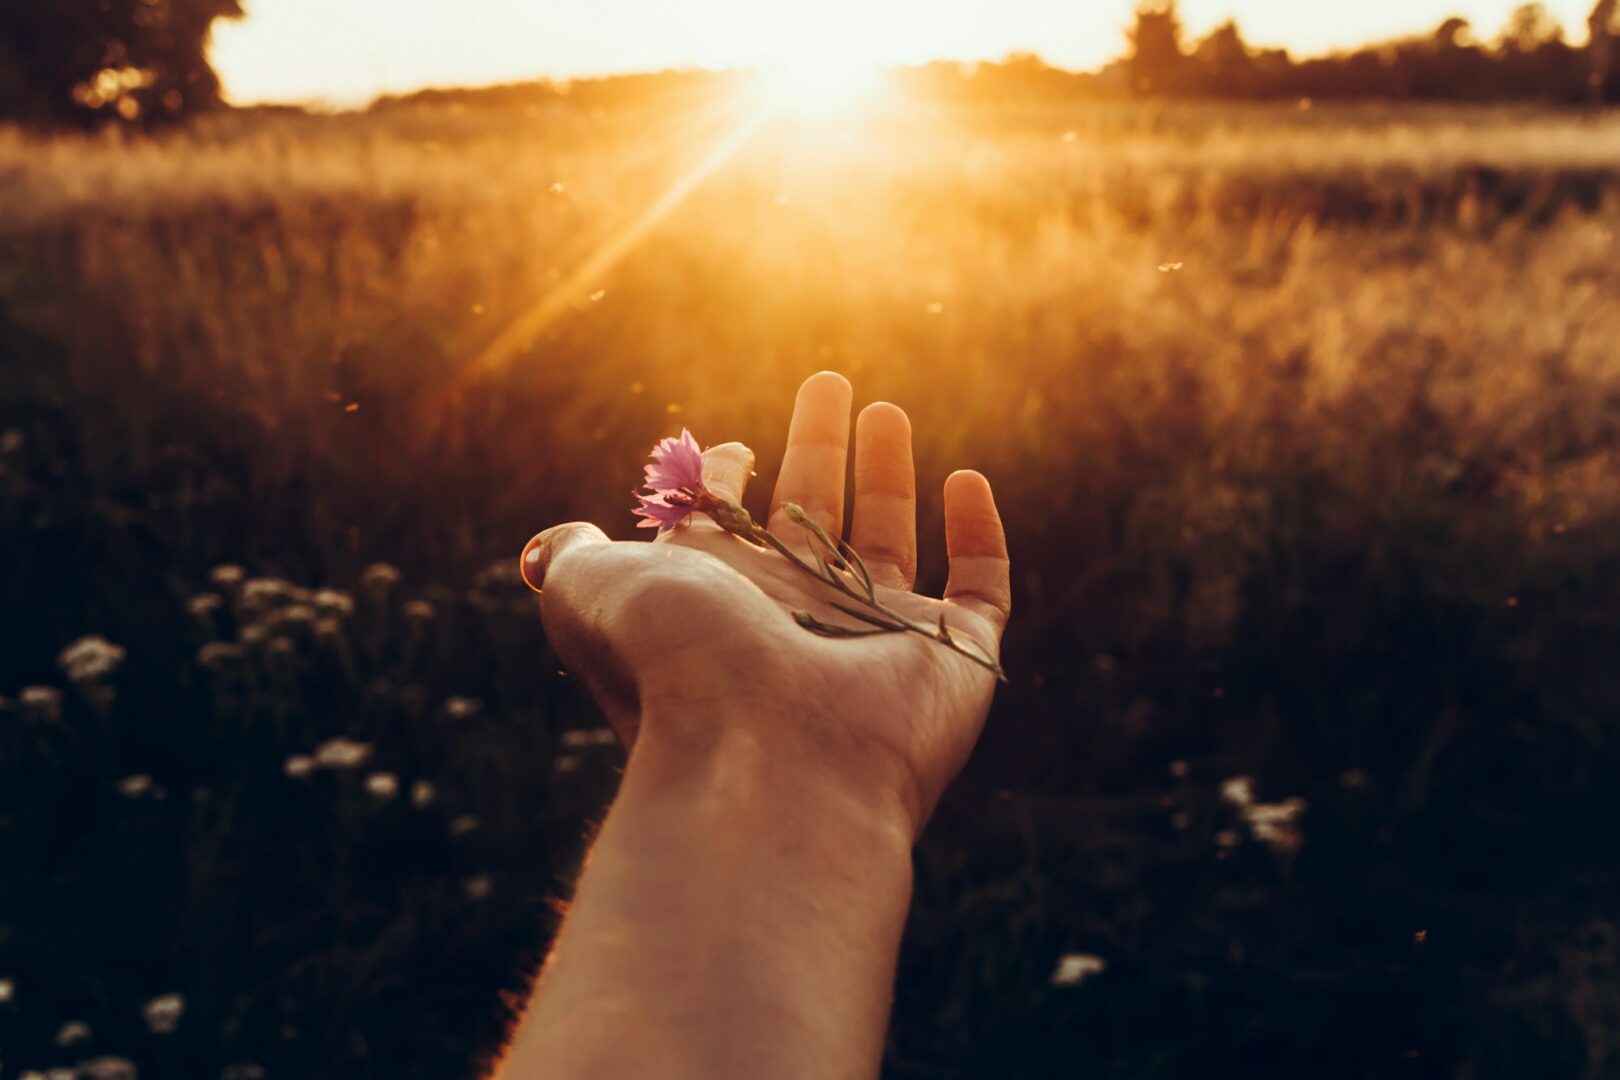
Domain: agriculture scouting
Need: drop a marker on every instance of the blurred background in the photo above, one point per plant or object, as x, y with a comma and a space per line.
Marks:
1288, 334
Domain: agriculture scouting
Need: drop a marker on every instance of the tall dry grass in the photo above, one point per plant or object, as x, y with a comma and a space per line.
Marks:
1303, 422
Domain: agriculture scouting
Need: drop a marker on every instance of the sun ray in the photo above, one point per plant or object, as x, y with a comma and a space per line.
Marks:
605, 255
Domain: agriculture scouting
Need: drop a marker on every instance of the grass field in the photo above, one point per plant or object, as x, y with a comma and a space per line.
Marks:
1305, 423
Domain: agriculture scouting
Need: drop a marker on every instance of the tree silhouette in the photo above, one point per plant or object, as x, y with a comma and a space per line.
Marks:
81, 62
1529, 27
1600, 50
1156, 63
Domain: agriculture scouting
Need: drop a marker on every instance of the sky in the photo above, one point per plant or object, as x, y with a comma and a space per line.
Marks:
345, 52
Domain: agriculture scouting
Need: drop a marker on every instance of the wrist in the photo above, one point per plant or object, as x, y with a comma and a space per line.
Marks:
770, 759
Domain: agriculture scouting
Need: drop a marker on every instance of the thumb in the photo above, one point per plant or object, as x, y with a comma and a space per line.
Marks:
545, 549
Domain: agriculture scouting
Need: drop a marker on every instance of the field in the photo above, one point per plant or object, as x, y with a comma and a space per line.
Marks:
1305, 424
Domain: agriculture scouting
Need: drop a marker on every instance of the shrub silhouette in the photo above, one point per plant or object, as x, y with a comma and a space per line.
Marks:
84, 62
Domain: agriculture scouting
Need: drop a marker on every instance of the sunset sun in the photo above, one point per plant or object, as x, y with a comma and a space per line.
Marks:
819, 82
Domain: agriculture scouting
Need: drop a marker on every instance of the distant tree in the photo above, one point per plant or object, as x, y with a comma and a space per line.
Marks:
1528, 28
1454, 33
1600, 50
80, 62
1157, 64
1225, 63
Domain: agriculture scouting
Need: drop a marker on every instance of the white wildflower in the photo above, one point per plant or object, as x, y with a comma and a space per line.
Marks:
8, 991
575, 740
461, 708
227, 577
379, 577
218, 653
332, 602
422, 794
382, 786
108, 1068
418, 611
204, 605
163, 1013
1277, 824
72, 1033
342, 753
90, 658
261, 592
133, 787
292, 615
298, 766
1239, 791
45, 701
1075, 968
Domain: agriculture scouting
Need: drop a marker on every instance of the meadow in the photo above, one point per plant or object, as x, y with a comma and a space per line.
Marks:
1305, 422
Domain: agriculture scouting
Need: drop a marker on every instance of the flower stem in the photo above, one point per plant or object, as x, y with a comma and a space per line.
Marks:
841, 566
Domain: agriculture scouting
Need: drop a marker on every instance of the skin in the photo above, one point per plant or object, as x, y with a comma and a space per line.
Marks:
741, 909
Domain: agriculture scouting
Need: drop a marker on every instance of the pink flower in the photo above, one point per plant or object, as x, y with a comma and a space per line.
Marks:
675, 478
676, 465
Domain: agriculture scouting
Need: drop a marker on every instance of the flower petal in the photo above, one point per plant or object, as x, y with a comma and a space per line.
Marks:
659, 513
677, 464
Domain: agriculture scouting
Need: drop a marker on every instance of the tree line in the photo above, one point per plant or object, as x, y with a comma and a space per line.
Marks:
1529, 59
82, 63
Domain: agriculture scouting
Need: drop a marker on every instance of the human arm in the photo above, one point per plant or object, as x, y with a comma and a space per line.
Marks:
741, 909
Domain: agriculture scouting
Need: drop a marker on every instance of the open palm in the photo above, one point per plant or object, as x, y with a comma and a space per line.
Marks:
694, 634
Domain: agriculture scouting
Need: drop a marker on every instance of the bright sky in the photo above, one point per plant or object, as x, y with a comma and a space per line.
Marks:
346, 51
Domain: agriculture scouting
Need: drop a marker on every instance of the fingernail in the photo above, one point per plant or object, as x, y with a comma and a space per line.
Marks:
529, 565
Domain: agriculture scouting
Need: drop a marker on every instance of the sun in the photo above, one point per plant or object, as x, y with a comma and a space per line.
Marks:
819, 83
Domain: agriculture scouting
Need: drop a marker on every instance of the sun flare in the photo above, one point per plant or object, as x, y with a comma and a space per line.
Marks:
820, 83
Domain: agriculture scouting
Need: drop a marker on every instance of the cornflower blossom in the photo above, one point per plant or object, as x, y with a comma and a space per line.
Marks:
675, 478
675, 490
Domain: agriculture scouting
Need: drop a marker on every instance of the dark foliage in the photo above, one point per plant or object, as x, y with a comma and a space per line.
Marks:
84, 62
1529, 61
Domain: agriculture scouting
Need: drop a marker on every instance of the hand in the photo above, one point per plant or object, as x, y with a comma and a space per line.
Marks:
690, 640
